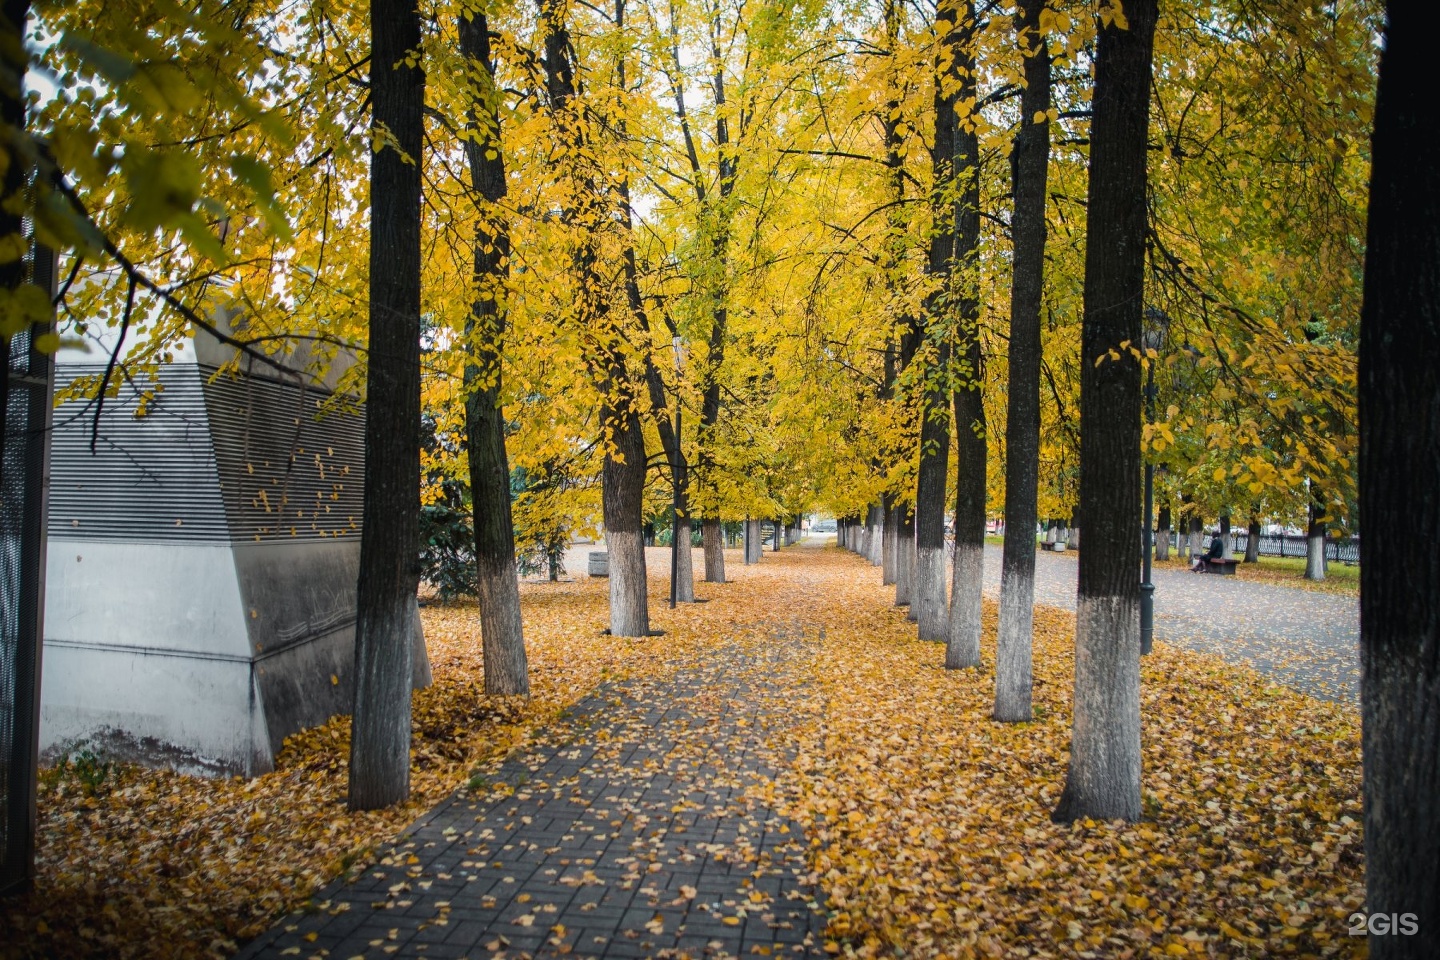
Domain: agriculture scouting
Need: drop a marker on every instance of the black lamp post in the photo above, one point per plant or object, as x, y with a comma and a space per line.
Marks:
1154, 339
676, 479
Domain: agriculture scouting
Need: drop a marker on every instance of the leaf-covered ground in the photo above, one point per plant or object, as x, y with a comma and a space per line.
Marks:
927, 822
930, 829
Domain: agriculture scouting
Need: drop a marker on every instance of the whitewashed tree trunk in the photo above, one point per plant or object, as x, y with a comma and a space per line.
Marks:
928, 599
962, 647
753, 546
877, 539
1315, 556
685, 566
420, 676
1014, 656
629, 612
890, 546
1104, 778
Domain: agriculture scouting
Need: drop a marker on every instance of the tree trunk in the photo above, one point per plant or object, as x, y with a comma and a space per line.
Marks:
623, 472
889, 542
1030, 159
1399, 388
389, 539
420, 673
685, 561
1315, 539
904, 555
1197, 537
1103, 781
876, 541
932, 331
1225, 545
1162, 535
623, 492
963, 640
1252, 542
752, 541
714, 545
502, 636
14, 177
963, 624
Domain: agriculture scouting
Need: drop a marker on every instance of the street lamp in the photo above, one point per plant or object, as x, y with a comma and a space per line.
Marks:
676, 479
1153, 339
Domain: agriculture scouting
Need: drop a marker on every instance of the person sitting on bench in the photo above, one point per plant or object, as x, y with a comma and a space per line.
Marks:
1216, 551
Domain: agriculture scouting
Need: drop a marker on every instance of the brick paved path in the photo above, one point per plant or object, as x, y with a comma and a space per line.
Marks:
625, 831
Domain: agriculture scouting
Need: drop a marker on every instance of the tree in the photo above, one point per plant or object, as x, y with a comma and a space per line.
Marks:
13, 317
930, 353
971, 452
1399, 476
623, 473
1103, 780
502, 634
389, 547
1029, 163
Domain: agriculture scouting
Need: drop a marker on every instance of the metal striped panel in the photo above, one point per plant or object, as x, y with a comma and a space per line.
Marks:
291, 459
152, 473
206, 456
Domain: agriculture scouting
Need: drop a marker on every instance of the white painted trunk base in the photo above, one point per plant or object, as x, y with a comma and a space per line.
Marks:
1014, 660
1315, 558
928, 594
629, 612
962, 647
1104, 776
685, 568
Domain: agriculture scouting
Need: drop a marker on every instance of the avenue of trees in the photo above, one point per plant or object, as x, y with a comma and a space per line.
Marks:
891, 262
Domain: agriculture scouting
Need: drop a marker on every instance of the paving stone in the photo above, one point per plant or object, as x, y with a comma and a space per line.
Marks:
602, 839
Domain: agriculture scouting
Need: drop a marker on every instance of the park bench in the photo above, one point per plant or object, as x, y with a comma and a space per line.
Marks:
1226, 568
1057, 546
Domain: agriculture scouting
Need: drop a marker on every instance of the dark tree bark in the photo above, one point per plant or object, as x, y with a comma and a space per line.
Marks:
389, 544
1030, 163
963, 628
1399, 388
1104, 776
13, 17
1252, 541
502, 636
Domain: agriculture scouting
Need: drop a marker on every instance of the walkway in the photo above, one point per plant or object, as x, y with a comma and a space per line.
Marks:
1306, 640
636, 825
625, 832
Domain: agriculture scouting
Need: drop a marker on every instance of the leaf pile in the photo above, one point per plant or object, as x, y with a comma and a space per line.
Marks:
929, 822
160, 864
